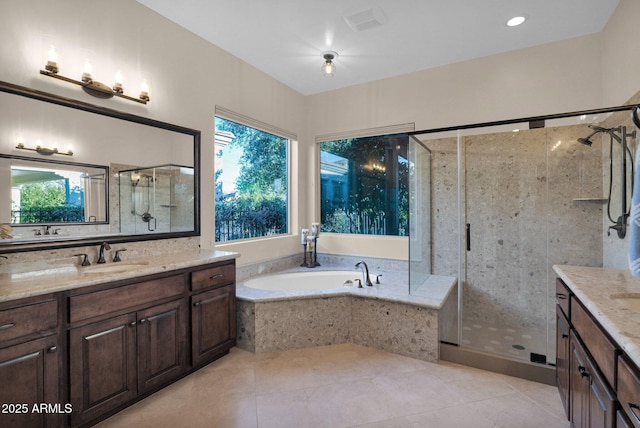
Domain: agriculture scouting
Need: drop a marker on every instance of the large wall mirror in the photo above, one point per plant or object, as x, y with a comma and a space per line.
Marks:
73, 173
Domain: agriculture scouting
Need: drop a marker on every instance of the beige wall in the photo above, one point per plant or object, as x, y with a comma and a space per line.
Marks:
548, 79
620, 60
189, 76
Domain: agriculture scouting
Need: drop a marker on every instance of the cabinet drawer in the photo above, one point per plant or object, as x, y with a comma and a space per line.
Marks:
629, 389
25, 320
213, 277
602, 349
99, 303
562, 296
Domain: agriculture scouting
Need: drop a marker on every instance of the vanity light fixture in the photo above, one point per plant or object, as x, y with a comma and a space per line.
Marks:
92, 87
328, 68
45, 151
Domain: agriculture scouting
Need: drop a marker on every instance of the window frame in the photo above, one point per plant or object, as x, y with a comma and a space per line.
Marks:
290, 137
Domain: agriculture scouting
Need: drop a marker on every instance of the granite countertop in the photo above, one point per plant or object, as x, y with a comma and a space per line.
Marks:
19, 280
603, 292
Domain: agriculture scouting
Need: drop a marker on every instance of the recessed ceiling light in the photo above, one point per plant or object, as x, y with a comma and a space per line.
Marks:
515, 21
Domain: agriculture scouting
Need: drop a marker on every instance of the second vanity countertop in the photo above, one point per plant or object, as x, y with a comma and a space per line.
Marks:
602, 292
37, 278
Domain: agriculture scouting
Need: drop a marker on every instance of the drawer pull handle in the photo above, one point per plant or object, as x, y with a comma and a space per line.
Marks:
196, 304
634, 409
6, 326
142, 321
52, 349
216, 276
561, 296
132, 323
583, 372
565, 335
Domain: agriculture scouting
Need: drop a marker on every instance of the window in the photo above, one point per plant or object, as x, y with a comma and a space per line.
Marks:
251, 182
364, 185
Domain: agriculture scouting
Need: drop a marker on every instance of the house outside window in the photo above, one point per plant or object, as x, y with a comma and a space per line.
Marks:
364, 185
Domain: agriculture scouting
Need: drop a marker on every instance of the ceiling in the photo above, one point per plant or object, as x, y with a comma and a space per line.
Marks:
286, 38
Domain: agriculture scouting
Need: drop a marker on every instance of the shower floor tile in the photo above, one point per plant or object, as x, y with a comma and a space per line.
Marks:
514, 342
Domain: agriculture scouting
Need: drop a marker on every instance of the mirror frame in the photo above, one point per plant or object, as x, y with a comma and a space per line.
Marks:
77, 241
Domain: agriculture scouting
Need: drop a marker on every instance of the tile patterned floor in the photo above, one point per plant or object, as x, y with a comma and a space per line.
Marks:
344, 386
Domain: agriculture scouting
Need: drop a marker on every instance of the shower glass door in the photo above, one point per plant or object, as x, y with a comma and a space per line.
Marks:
506, 290
530, 200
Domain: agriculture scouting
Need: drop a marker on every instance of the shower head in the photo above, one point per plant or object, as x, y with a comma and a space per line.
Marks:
585, 141
596, 130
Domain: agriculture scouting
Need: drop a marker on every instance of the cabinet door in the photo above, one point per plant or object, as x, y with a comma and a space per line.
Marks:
30, 376
161, 333
563, 357
579, 382
102, 367
592, 401
213, 321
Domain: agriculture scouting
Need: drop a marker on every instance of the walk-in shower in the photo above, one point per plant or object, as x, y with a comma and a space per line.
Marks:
507, 201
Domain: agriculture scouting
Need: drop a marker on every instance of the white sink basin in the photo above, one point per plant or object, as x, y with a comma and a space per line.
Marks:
629, 301
113, 267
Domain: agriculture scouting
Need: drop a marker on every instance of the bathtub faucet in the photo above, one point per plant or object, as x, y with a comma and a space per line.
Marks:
365, 273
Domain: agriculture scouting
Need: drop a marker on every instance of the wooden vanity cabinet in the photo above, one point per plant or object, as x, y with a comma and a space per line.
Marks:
137, 346
213, 313
89, 352
131, 338
604, 384
31, 363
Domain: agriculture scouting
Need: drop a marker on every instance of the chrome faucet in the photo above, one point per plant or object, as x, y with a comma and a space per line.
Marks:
103, 246
365, 273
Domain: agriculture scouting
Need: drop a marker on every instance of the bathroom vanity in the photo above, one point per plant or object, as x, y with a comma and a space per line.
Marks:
598, 346
85, 344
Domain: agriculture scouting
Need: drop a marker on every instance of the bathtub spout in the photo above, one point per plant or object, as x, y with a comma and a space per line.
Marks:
365, 273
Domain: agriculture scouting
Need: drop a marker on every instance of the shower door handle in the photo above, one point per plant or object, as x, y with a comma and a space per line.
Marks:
468, 237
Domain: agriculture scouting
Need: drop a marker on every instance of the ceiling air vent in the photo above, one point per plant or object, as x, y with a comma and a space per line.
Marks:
366, 19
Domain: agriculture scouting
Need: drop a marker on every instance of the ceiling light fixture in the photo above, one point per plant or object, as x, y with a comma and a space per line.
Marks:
515, 21
328, 68
92, 87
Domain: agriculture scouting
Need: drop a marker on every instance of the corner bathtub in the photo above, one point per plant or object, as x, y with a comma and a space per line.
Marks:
305, 281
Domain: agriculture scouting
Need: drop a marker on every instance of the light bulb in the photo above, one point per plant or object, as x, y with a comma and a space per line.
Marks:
52, 60
117, 82
144, 90
86, 71
53, 54
328, 69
